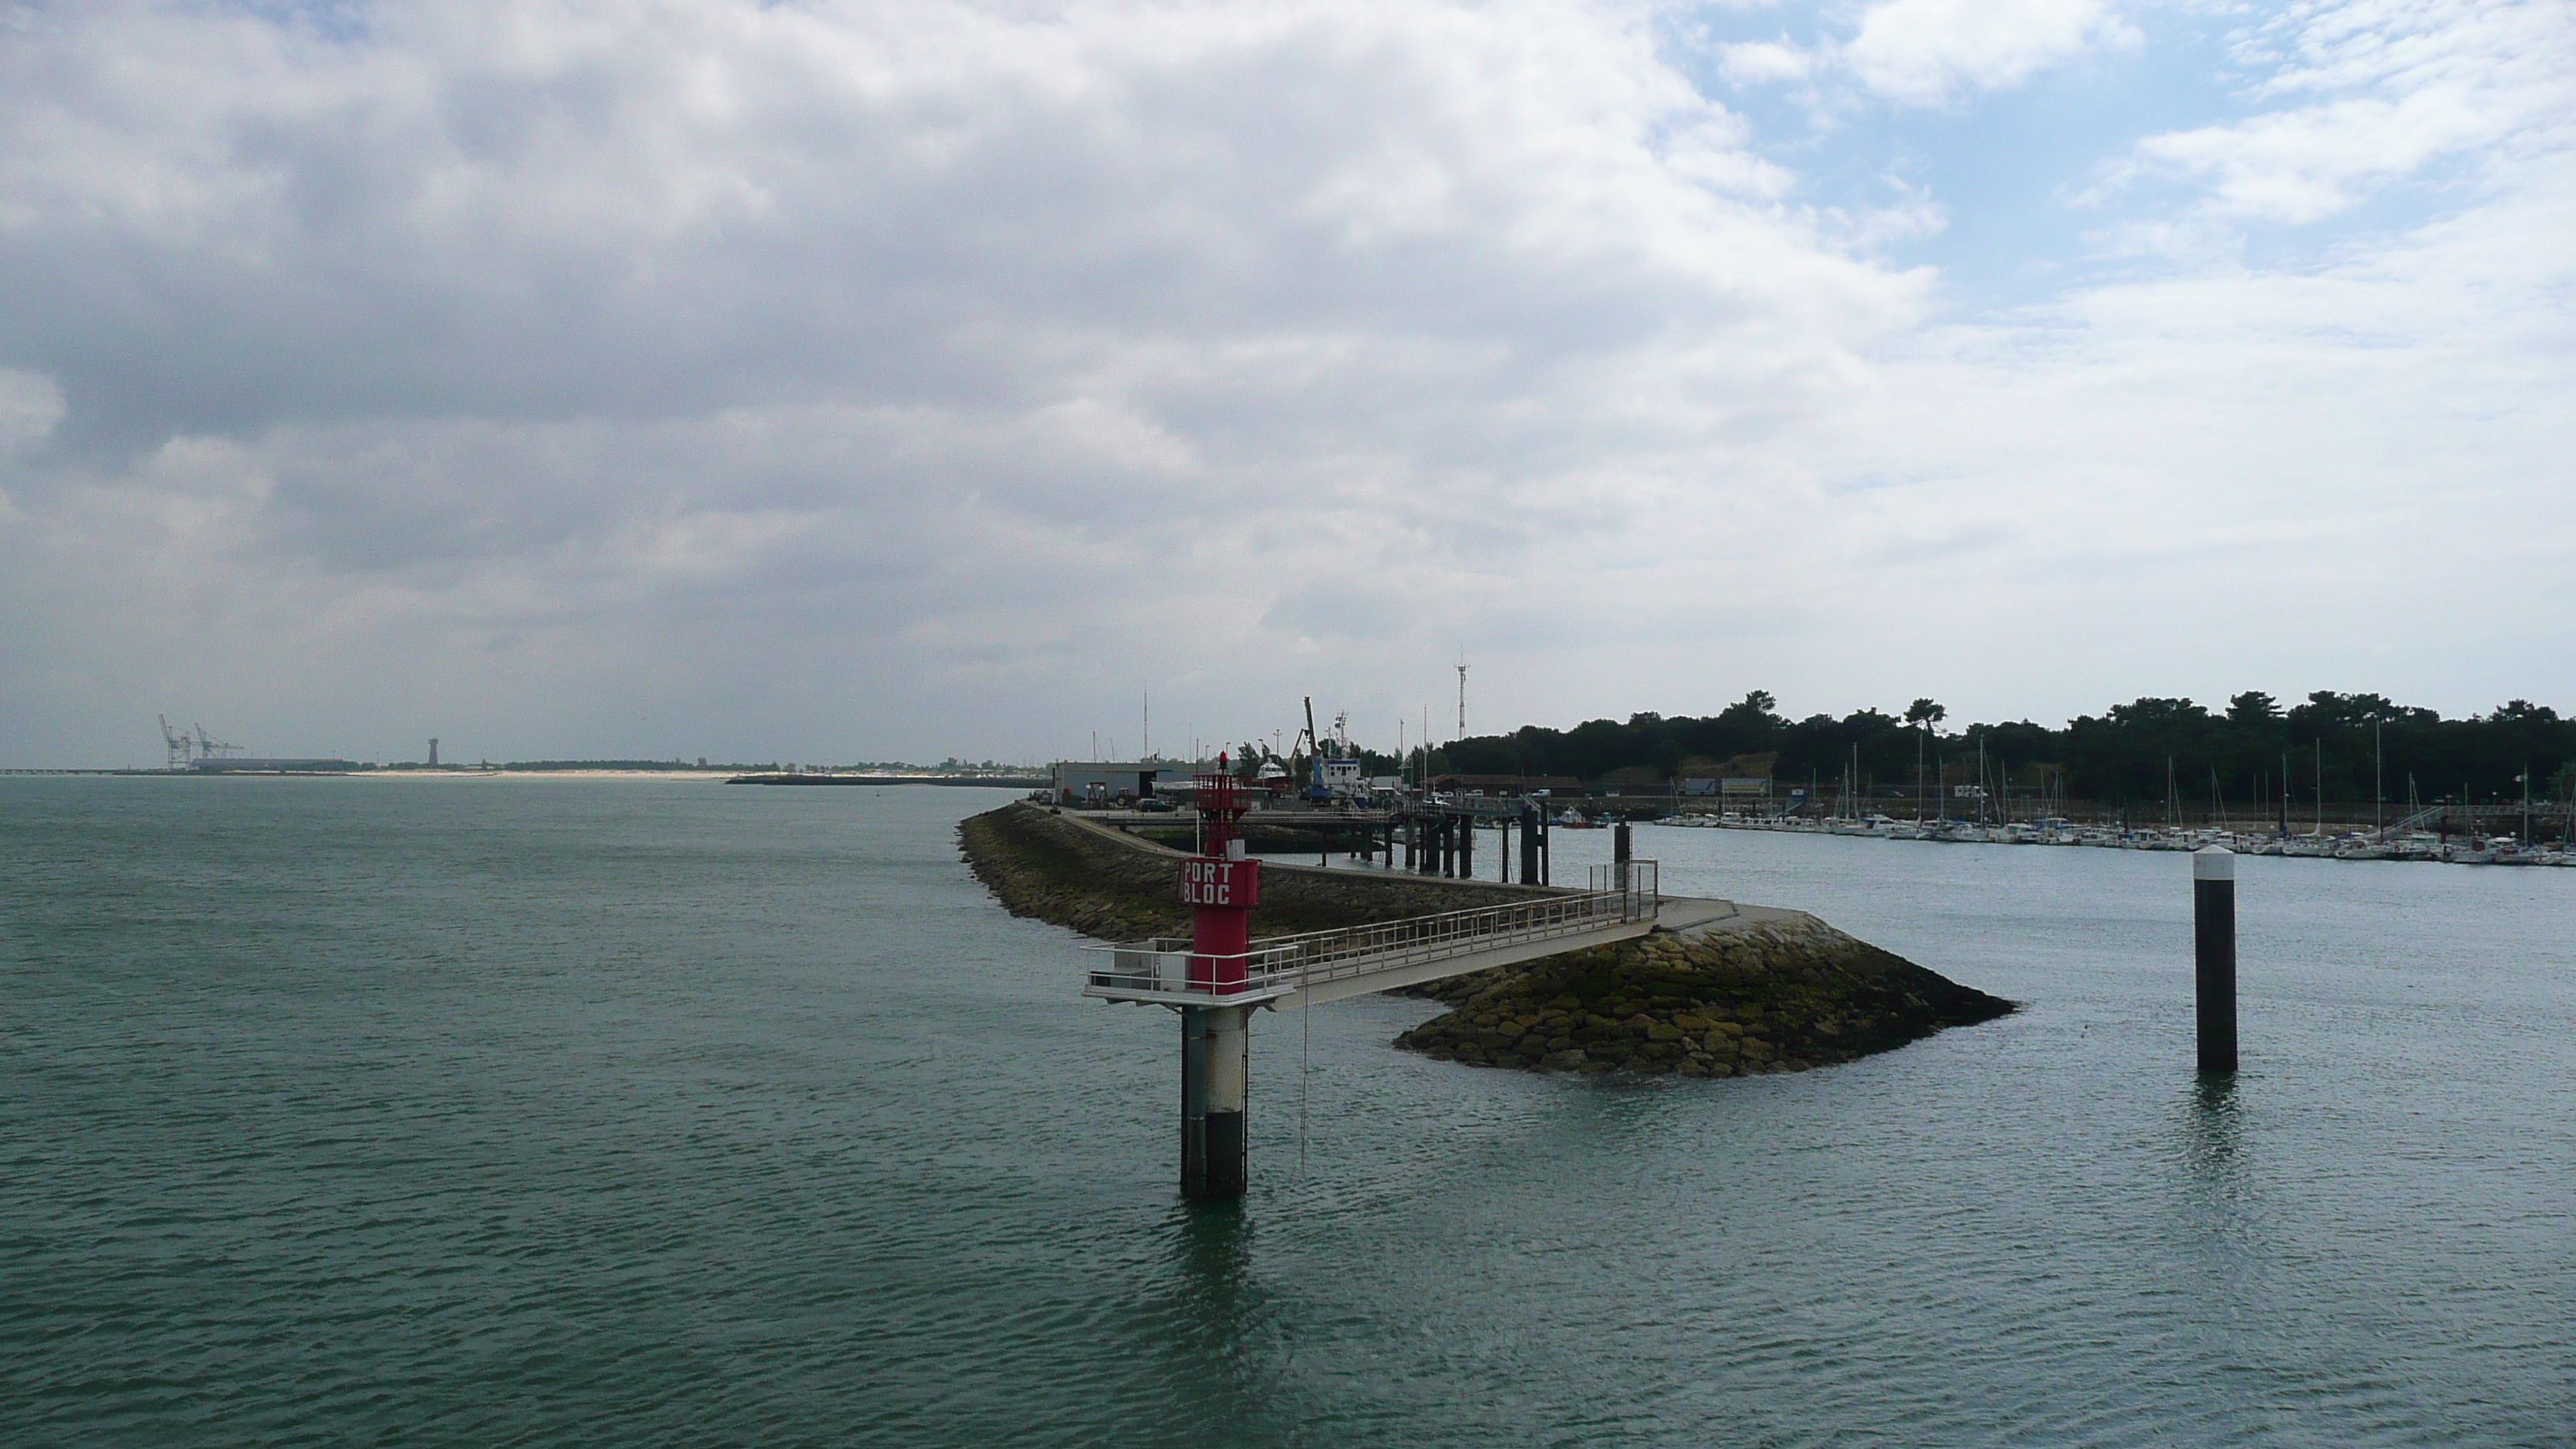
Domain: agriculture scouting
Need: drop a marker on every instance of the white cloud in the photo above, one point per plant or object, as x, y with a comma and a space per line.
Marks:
2357, 96
1930, 52
1763, 62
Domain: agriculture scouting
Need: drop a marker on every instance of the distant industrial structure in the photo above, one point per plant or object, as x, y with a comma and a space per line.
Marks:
197, 751
188, 750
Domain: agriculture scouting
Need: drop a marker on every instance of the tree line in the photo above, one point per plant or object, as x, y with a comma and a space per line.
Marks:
2357, 747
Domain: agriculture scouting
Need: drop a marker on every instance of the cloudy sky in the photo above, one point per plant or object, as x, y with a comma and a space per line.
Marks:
858, 381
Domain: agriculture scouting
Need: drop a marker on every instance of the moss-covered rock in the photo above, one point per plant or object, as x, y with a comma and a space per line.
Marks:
1730, 999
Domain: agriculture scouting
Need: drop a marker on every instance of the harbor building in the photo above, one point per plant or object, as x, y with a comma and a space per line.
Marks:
1106, 782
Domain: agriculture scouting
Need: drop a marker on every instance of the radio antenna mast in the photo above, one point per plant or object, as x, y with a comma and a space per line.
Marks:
1462, 695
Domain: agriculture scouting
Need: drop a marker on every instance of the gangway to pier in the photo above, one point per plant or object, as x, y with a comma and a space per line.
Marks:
1319, 966
2420, 818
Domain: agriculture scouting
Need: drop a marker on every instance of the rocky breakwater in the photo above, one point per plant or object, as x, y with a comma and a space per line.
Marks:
1760, 991
1060, 868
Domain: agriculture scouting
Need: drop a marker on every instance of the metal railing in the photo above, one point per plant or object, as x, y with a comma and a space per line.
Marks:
1275, 965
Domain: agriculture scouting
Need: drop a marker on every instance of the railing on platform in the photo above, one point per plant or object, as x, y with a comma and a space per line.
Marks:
1276, 965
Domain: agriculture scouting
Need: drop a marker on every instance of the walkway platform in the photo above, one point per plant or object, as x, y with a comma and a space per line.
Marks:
1322, 966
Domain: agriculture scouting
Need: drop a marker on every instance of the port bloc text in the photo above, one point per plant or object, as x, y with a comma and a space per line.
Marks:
1211, 882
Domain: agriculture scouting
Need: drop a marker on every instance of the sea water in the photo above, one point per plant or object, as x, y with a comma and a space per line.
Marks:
506, 1111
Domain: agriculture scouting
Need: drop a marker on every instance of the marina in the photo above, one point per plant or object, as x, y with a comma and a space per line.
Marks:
2401, 843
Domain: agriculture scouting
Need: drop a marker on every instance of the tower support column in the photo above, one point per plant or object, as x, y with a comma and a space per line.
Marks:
1215, 1073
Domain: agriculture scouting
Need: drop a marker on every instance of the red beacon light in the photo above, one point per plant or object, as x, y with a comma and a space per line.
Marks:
1220, 885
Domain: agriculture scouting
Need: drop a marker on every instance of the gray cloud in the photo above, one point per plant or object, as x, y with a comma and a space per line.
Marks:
855, 380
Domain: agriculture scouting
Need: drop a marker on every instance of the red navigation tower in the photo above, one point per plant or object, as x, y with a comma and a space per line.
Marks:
1221, 886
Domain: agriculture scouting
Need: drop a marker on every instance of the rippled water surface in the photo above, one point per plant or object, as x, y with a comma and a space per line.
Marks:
615, 1112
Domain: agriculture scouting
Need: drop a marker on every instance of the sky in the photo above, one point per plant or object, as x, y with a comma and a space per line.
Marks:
845, 381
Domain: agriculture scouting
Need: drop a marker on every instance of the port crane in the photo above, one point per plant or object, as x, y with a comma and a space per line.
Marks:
190, 745
1315, 789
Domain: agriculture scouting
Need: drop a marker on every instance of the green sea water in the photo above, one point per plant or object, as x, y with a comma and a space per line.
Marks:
508, 1112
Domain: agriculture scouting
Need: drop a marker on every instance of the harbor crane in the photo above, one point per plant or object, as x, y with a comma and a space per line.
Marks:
193, 745
180, 746
210, 748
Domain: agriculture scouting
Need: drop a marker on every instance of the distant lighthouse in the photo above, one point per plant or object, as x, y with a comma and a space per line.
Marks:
433, 752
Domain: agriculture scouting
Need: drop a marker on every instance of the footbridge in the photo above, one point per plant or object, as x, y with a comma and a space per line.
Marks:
1221, 973
1310, 969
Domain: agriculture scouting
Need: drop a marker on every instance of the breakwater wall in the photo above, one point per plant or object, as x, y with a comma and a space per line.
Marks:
1104, 883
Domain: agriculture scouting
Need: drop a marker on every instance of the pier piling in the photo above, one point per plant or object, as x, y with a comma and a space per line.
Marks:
2213, 902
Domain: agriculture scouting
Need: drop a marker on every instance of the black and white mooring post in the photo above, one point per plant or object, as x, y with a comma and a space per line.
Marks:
2213, 922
